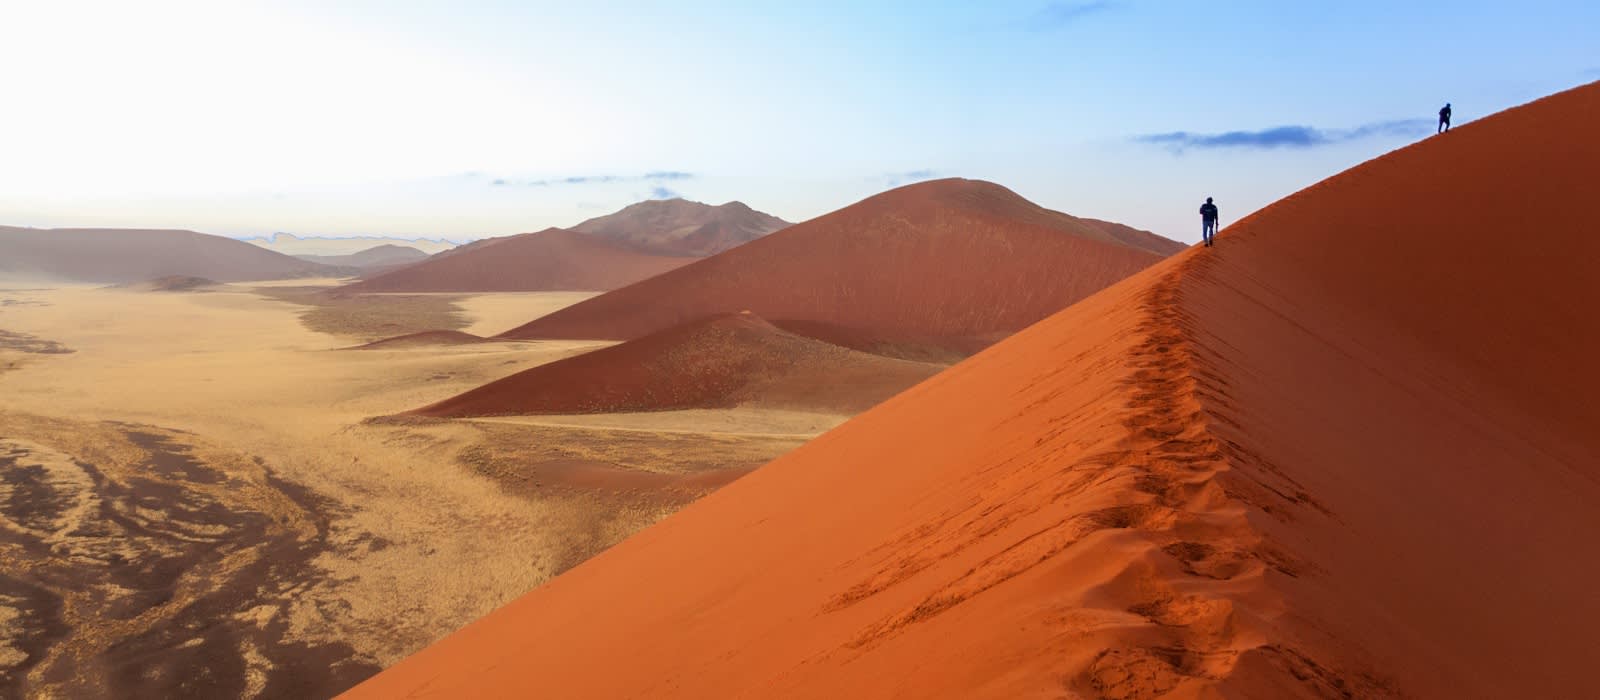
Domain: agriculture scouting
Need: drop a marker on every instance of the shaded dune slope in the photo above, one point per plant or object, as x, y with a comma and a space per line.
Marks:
134, 255
1132, 237
549, 260
1349, 452
720, 361
959, 261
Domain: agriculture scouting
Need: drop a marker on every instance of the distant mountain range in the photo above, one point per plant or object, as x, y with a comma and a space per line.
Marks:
290, 244
640, 241
386, 255
549, 260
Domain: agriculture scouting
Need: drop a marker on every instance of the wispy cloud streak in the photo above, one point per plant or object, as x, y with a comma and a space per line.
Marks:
898, 179
653, 176
1285, 136
1060, 14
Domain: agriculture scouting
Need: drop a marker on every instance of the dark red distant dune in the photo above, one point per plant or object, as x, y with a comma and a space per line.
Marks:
681, 227
716, 362
120, 256
550, 260
955, 261
1352, 451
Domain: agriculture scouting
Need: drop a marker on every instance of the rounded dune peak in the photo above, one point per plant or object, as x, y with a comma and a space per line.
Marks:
680, 226
981, 196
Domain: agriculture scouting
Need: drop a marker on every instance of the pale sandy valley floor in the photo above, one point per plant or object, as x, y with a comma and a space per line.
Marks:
194, 499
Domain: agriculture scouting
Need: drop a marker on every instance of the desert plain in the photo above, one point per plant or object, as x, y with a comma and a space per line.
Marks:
202, 499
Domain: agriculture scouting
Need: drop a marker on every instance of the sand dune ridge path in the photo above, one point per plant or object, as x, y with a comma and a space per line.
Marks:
1176, 488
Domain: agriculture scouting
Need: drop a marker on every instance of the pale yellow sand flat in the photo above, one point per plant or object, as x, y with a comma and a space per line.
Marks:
496, 313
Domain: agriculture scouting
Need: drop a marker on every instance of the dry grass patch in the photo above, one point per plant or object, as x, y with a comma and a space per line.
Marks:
369, 317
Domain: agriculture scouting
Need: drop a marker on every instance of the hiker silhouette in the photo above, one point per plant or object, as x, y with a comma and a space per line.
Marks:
1444, 118
1208, 221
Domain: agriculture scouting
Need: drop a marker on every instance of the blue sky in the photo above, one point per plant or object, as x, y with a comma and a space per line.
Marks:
466, 119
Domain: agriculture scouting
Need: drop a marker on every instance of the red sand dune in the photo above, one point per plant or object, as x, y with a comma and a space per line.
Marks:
120, 256
423, 339
961, 261
1349, 452
717, 362
550, 260
682, 227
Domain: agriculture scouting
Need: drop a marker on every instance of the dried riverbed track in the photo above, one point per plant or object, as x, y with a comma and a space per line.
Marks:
141, 562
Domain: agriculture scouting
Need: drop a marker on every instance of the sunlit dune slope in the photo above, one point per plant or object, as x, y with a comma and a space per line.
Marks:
717, 362
549, 260
952, 260
1349, 452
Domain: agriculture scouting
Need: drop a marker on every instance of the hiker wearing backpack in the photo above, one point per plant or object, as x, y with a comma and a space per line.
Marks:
1444, 118
1208, 221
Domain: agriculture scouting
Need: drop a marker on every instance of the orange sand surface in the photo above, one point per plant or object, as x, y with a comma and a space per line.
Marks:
1350, 452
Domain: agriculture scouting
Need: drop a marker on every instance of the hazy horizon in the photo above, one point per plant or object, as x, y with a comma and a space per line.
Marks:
486, 118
